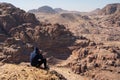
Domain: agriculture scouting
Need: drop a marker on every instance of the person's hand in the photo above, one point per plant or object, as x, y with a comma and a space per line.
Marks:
39, 59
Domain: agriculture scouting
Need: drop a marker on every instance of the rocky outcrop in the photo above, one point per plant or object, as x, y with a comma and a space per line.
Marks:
110, 9
24, 72
113, 20
47, 35
54, 34
15, 21
15, 51
52, 38
3, 37
11, 17
91, 60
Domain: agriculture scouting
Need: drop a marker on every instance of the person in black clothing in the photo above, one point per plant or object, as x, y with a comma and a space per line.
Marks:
37, 59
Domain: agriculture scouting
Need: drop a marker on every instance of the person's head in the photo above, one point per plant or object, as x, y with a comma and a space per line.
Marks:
36, 50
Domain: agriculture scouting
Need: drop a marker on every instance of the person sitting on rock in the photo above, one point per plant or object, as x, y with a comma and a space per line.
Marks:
37, 59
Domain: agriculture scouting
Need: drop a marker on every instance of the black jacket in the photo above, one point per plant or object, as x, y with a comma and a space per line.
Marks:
35, 57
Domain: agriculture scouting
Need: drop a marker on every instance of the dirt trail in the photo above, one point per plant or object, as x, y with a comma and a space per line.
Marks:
67, 73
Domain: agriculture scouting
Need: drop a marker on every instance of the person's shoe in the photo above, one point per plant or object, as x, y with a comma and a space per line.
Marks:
46, 68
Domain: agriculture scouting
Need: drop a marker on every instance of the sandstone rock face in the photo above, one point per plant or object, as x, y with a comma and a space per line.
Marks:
54, 34
113, 20
2, 37
44, 35
11, 17
14, 21
15, 51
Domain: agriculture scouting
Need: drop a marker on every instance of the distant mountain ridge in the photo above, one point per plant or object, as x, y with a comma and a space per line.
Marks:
107, 10
44, 9
60, 10
47, 9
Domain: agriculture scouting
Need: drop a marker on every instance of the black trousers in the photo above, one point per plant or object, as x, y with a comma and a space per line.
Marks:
39, 63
